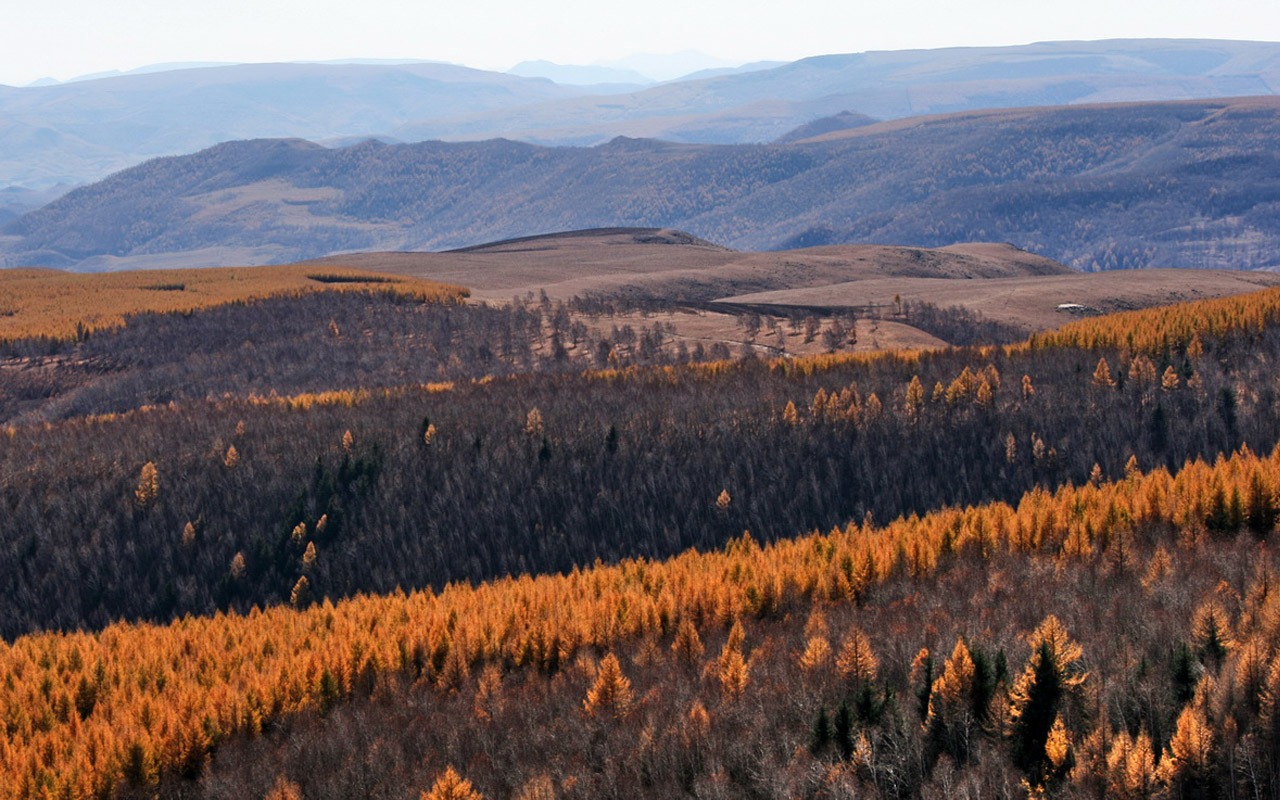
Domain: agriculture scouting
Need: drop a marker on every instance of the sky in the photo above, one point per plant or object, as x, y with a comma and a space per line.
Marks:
63, 39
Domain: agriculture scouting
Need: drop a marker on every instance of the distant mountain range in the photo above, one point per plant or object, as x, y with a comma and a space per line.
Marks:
1189, 184
77, 132
73, 132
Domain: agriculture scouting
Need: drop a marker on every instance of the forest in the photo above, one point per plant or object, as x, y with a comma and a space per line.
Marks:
340, 544
1097, 187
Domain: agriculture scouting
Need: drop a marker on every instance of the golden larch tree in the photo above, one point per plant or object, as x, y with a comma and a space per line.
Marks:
533, 424
857, 662
733, 673
1131, 766
539, 787
284, 789
790, 415
300, 596
309, 556
723, 501
1102, 374
1051, 677
451, 786
914, 402
488, 699
984, 396
1188, 762
816, 655
611, 692
148, 485
687, 646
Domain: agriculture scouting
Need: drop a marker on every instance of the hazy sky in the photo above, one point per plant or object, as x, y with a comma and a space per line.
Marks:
66, 38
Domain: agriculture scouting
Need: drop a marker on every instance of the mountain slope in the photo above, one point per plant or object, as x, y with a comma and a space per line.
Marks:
761, 106
77, 132
1193, 184
84, 130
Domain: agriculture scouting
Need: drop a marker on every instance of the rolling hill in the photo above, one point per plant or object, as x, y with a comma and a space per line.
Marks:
1191, 184
998, 281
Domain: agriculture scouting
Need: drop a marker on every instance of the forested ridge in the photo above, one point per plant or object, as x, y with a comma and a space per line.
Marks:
1189, 184
539, 472
357, 564
854, 705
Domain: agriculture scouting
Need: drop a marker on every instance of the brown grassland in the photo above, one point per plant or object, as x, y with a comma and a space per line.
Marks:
62, 305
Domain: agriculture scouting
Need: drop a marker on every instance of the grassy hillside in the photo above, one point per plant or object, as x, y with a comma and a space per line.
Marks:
1100, 187
45, 304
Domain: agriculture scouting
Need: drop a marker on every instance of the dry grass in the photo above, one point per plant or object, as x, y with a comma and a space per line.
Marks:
625, 262
996, 280
1030, 302
62, 305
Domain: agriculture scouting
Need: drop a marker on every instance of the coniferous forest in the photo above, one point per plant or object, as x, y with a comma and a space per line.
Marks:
371, 544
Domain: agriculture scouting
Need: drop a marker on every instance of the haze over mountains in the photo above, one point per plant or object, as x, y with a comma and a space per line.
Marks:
1191, 184
78, 132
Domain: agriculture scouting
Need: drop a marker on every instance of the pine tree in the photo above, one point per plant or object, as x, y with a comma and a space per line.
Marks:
822, 733
1051, 676
1211, 631
844, 731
